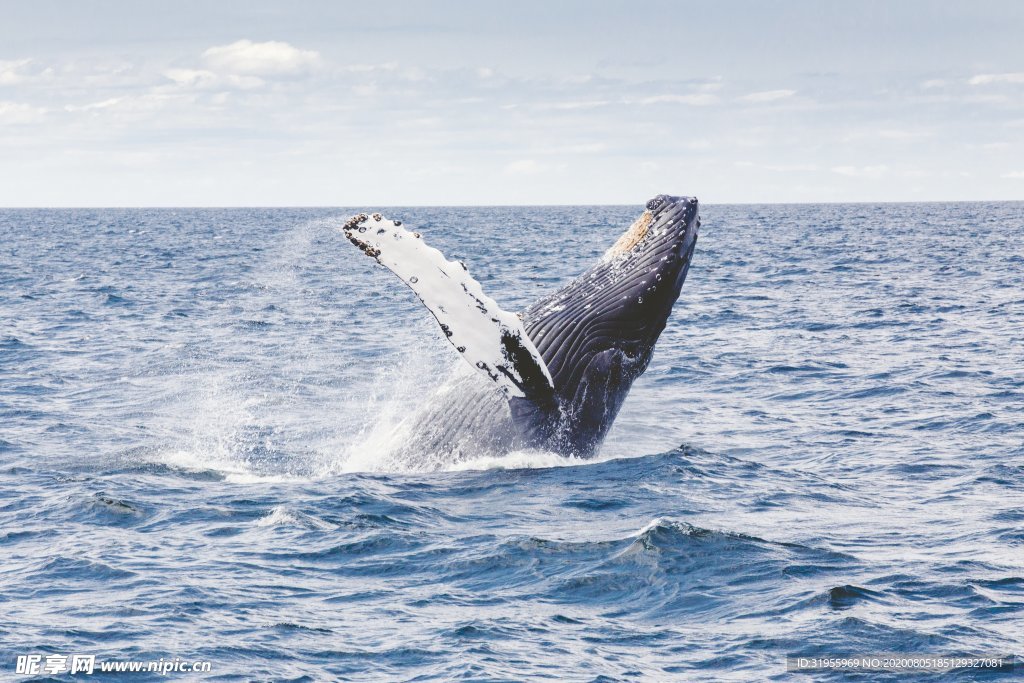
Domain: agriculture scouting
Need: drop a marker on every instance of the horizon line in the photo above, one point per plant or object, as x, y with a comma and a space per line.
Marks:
472, 206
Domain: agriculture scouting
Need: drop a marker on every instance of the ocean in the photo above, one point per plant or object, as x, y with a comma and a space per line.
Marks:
825, 458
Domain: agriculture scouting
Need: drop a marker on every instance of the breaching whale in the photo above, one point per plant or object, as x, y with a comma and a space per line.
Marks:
554, 376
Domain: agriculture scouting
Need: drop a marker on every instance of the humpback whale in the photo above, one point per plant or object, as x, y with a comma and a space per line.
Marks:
554, 376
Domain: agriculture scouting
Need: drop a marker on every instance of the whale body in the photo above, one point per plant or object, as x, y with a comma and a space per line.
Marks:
554, 376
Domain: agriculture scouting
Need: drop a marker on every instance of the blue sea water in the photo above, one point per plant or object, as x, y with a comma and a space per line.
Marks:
824, 458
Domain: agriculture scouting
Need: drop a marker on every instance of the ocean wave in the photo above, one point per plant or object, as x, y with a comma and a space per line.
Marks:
204, 465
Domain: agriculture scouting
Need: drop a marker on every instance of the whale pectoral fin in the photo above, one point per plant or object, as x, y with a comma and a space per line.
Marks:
492, 340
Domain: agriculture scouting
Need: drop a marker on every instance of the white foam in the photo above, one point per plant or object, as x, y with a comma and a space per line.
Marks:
278, 516
234, 471
252, 478
654, 524
518, 460
282, 516
263, 422
529, 459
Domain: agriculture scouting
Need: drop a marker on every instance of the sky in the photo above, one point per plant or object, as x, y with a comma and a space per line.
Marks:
362, 104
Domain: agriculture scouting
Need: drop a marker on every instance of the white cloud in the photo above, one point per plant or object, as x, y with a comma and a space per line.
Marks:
1014, 175
193, 78
987, 79
985, 99
272, 58
131, 106
933, 83
524, 167
696, 100
532, 167
894, 134
710, 86
778, 168
370, 68
791, 168
586, 104
13, 71
581, 148
861, 171
904, 134
767, 96
16, 112
203, 79
93, 106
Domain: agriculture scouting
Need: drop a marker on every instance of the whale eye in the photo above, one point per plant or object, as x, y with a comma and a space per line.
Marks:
397, 223
414, 279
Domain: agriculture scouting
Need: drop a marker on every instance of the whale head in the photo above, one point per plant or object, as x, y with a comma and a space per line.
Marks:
597, 334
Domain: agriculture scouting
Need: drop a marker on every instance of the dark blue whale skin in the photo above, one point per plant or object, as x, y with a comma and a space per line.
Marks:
596, 336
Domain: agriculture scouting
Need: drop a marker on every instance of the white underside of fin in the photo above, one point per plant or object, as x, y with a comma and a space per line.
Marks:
491, 340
